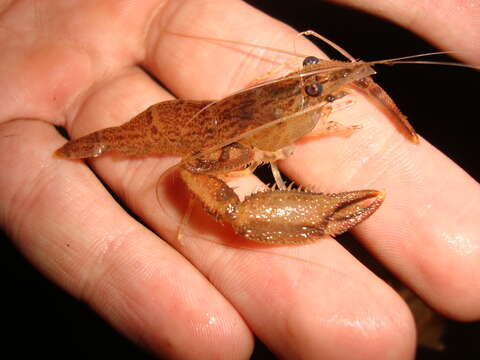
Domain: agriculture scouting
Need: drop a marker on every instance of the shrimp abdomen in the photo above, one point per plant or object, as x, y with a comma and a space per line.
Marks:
157, 131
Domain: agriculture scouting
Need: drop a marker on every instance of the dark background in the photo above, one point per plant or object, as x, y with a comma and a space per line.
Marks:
38, 318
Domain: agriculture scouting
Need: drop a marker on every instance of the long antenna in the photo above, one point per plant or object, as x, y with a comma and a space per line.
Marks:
329, 42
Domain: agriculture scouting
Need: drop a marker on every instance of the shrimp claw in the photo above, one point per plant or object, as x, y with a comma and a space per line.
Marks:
283, 216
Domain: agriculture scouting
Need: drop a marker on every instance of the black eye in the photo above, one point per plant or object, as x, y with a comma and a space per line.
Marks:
314, 89
310, 60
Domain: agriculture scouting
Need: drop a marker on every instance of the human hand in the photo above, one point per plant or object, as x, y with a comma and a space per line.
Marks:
84, 76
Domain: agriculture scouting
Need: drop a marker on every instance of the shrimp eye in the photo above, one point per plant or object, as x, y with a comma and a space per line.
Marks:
314, 89
310, 60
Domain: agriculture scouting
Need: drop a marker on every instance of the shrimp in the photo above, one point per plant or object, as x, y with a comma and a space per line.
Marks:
251, 127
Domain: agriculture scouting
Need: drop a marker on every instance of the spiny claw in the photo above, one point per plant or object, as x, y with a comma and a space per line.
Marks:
283, 216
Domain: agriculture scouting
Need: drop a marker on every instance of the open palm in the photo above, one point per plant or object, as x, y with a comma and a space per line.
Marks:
86, 65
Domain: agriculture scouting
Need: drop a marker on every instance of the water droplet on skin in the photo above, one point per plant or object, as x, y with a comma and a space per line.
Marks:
211, 319
460, 243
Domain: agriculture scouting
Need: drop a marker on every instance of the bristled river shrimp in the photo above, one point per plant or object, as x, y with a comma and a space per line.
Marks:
254, 126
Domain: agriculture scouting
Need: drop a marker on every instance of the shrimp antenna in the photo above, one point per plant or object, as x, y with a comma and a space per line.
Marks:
236, 42
401, 60
328, 42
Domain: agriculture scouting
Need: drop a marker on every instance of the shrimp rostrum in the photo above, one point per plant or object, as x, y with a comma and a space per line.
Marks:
251, 127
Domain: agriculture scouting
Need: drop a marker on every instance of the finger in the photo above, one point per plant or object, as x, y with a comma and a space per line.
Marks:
460, 33
66, 223
262, 287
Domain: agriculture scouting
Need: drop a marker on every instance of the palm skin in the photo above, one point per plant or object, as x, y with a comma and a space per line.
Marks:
83, 65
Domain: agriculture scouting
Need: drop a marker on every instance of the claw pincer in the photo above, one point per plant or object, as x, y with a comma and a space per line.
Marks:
283, 216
